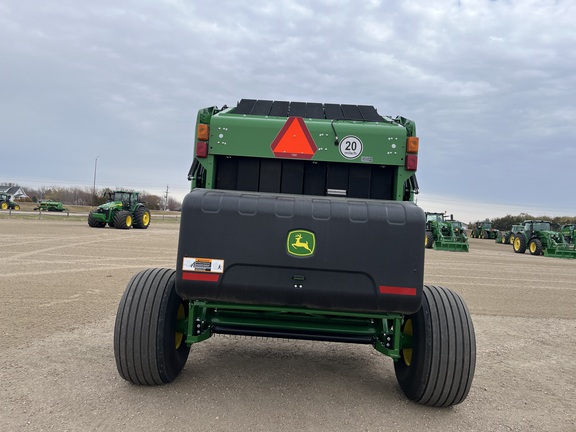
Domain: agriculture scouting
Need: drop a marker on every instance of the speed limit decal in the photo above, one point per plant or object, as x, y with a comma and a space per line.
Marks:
351, 147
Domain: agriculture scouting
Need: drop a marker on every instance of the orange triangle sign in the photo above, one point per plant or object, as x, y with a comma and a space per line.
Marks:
294, 140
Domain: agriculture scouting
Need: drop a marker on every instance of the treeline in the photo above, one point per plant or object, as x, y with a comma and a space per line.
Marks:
506, 222
86, 197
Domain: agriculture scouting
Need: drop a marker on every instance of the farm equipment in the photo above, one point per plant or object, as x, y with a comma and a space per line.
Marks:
6, 203
507, 237
568, 233
301, 225
49, 205
484, 230
539, 239
122, 211
444, 234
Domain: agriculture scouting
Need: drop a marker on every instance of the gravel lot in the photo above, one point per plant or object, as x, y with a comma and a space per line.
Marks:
60, 284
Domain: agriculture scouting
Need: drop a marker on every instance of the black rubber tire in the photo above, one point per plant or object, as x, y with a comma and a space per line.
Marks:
429, 240
122, 219
519, 244
142, 218
93, 222
145, 329
4, 205
486, 234
443, 357
535, 247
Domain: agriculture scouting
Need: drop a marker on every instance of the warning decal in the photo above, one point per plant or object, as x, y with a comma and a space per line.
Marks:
294, 140
205, 265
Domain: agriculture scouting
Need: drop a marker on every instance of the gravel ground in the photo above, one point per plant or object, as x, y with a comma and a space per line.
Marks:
60, 284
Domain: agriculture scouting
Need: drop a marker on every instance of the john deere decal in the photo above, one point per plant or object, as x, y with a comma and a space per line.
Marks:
301, 243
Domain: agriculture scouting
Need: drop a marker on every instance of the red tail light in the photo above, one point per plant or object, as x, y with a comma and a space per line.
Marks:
411, 162
201, 149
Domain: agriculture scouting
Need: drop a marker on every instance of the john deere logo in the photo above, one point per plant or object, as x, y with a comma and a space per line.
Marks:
301, 243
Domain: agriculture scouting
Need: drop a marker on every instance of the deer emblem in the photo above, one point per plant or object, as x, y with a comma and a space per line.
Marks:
300, 244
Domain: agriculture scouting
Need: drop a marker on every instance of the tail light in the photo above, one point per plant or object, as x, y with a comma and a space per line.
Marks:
203, 132
201, 149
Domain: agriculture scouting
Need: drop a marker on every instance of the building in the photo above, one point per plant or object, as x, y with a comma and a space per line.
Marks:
15, 191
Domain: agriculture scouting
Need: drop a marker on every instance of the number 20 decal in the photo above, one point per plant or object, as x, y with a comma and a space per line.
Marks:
351, 147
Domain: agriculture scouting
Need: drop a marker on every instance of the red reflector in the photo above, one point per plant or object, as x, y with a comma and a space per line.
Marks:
397, 290
201, 149
204, 277
411, 162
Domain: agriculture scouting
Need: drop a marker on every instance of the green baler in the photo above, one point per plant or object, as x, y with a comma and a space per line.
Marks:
301, 225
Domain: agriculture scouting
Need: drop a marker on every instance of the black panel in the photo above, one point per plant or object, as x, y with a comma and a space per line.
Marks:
227, 174
333, 111
381, 183
315, 111
270, 175
248, 174
297, 109
369, 113
280, 109
359, 181
262, 107
315, 178
304, 177
292, 177
337, 177
245, 106
351, 112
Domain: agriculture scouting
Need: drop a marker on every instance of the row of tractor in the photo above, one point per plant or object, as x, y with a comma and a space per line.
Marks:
538, 238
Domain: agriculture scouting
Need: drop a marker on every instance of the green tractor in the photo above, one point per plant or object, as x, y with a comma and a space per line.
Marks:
512, 233
6, 203
568, 233
301, 225
539, 239
444, 234
51, 206
484, 230
122, 211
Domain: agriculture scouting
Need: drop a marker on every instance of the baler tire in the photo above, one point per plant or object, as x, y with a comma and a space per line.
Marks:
535, 247
439, 368
519, 244
142, 218
429, 240
93, 222
147, 348
122, 220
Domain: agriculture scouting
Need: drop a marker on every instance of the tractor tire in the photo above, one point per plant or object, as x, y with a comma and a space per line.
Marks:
511, 239
4, 205
535, 247
122, 219
147, 347
519, 244
142, 218
439, 368
16, 207
486, 234
93, 222
428, 240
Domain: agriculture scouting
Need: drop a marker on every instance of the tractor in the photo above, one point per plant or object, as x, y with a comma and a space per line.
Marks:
539, 239
122, 211
6, 203
51, 206
301, 224
484, 230
444, 234
512, 233
568, 233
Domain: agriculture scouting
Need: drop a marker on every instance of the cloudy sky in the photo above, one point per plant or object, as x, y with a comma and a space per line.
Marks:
491, 86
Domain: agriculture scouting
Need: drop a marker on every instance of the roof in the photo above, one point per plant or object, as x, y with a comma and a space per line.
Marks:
15, 191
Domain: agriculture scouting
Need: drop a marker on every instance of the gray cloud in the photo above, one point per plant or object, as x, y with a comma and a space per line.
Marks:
489, 83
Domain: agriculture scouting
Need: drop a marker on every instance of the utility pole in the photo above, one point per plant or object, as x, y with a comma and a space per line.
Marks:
166, 199
94, 186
